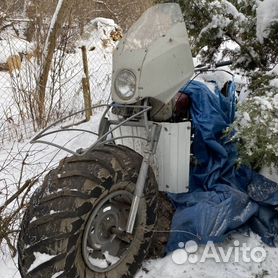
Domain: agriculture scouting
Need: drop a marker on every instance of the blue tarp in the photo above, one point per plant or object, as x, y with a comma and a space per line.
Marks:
222, 197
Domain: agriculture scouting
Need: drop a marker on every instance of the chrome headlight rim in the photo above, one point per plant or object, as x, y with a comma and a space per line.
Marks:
116, 87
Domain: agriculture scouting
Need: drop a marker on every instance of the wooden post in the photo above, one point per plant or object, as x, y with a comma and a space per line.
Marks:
86, 85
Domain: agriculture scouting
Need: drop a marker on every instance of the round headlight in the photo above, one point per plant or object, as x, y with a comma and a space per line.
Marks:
125, 84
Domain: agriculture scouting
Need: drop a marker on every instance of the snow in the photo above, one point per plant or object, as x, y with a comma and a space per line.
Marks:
53, 211
270, 173
105, 262
264, 103
267, 14
96, 31
8, 266
274, 82
98, 262
52, 23
33, 219
216, 22
100, 21
10, 45
246, 117
167, 268
57, 274
219, 76
231, 9
229, 14
274, 74
40, 258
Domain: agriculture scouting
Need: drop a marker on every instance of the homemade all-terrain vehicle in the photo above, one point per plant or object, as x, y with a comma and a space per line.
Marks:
95, 215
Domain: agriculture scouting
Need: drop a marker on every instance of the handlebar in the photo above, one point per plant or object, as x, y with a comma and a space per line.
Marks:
222, 64
202, 68
207, 67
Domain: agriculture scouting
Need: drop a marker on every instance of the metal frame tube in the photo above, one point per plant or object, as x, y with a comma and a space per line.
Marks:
142, 177
102, 139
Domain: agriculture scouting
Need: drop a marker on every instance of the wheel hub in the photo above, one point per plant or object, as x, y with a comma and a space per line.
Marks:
104, 243
105, 221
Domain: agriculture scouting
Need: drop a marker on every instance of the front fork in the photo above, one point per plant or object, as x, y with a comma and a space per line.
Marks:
143, 174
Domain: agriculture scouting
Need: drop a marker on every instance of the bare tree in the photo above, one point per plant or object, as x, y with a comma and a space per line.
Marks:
62, 10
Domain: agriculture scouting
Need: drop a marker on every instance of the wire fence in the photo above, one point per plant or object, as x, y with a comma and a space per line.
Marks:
19, 75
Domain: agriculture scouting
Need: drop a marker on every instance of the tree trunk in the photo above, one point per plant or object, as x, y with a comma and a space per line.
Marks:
61, 12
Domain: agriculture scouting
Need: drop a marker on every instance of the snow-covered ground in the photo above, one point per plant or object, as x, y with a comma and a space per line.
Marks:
8, 267
167, 268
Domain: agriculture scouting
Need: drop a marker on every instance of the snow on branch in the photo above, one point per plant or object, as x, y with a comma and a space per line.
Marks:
267, 14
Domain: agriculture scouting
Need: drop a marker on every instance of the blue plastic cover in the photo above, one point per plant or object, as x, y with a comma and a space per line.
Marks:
222, 197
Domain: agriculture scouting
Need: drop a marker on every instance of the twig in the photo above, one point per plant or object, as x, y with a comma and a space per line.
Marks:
28, 183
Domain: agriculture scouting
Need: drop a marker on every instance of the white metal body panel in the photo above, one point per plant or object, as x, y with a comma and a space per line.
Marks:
172, 159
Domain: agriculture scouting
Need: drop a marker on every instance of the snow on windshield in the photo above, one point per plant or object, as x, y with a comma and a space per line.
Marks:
153, 24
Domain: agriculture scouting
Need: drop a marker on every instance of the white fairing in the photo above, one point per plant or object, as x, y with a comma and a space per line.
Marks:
172, 158
156, 49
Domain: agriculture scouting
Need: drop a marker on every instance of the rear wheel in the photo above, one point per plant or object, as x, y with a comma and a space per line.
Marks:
74, 225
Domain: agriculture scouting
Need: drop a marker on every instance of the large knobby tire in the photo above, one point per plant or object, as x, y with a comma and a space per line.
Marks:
51, 241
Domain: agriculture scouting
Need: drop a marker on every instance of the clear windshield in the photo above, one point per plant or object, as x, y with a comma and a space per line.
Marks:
153, 24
